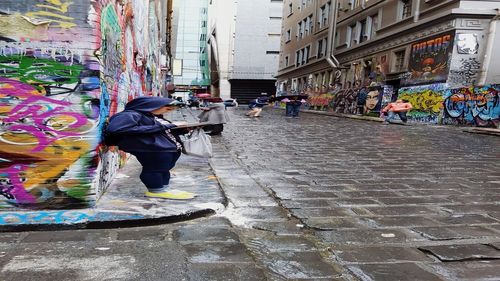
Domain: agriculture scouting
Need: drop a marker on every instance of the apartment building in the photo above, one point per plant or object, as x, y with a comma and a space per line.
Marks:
390, 42
416, 42
303, 64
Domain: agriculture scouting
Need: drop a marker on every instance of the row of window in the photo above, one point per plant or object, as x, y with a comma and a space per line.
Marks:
366, 29
303, 5
306, 26
317, 80
362, 31
302, 55
404, 6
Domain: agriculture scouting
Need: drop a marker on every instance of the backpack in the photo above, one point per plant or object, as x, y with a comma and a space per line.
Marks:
107, 138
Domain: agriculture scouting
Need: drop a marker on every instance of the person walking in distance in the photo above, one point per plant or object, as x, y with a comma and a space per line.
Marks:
257, 105
292, 106
142, 131
400, 107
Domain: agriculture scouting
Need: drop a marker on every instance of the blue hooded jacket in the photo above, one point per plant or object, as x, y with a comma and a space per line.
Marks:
136, 127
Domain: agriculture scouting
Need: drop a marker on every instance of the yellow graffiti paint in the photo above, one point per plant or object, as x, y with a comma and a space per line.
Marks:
426, 100
62, 20
52, 162
63, 7
19, 26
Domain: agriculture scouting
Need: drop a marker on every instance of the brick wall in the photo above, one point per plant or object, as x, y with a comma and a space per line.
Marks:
66, 66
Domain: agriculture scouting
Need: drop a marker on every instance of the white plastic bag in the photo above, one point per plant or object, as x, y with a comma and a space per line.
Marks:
198, 143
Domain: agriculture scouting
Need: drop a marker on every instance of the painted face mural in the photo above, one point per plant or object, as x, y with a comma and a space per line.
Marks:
63, 71
372, 101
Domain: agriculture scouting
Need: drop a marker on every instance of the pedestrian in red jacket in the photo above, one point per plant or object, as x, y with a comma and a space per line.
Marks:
400, 107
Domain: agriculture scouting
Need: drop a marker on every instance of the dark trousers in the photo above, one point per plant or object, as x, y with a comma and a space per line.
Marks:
215, 129
156, 167
401, 114
292, 109
288, 109
295, 110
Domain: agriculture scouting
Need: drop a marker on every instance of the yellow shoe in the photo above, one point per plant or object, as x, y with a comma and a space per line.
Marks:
172, 194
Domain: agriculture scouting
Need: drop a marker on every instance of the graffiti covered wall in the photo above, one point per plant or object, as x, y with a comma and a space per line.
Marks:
439, 104
430, 60
427, 102
479, 106
66, 66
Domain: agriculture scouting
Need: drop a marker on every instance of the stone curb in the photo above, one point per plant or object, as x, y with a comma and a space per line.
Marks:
341, 115
483, 131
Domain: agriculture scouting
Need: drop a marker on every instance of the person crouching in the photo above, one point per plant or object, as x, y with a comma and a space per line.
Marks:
142, 131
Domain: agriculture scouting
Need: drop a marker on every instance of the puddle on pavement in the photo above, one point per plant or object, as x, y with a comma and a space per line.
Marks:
280, 244
205, 257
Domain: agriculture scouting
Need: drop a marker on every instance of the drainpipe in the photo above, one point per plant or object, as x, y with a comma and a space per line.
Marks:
489, 48
416, 17
331, 59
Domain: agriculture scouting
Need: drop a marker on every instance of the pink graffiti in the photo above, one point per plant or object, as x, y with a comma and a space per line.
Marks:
18, 191
15, 88
28, 109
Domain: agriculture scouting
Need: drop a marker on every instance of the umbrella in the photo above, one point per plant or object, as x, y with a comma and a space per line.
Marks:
211, 99
203, 95
279, 98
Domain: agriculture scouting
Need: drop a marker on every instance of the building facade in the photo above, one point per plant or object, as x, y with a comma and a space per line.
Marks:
244, 46
426, 51
303, 64
190, 68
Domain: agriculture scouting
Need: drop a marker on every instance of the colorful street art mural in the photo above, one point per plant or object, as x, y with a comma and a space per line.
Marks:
439, 104
364, 100
430, 60
479, 106
65, 67
427, 102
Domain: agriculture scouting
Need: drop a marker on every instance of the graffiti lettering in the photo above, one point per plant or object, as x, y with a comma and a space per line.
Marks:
39, 71
57, 85
13, 187
474, 105
43, 120
432, 46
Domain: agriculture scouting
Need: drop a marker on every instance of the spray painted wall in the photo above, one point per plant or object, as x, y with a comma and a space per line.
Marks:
478, 106
66, 66
427, 102
439, 104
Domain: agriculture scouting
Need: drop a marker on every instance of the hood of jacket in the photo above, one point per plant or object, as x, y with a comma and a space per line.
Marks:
148, 104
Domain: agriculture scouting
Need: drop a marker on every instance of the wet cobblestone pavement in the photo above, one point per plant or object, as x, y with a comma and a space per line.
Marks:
312, 198
384, 202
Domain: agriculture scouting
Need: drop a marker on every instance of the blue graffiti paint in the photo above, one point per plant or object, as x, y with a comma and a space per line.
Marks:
478, 106
62, 217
